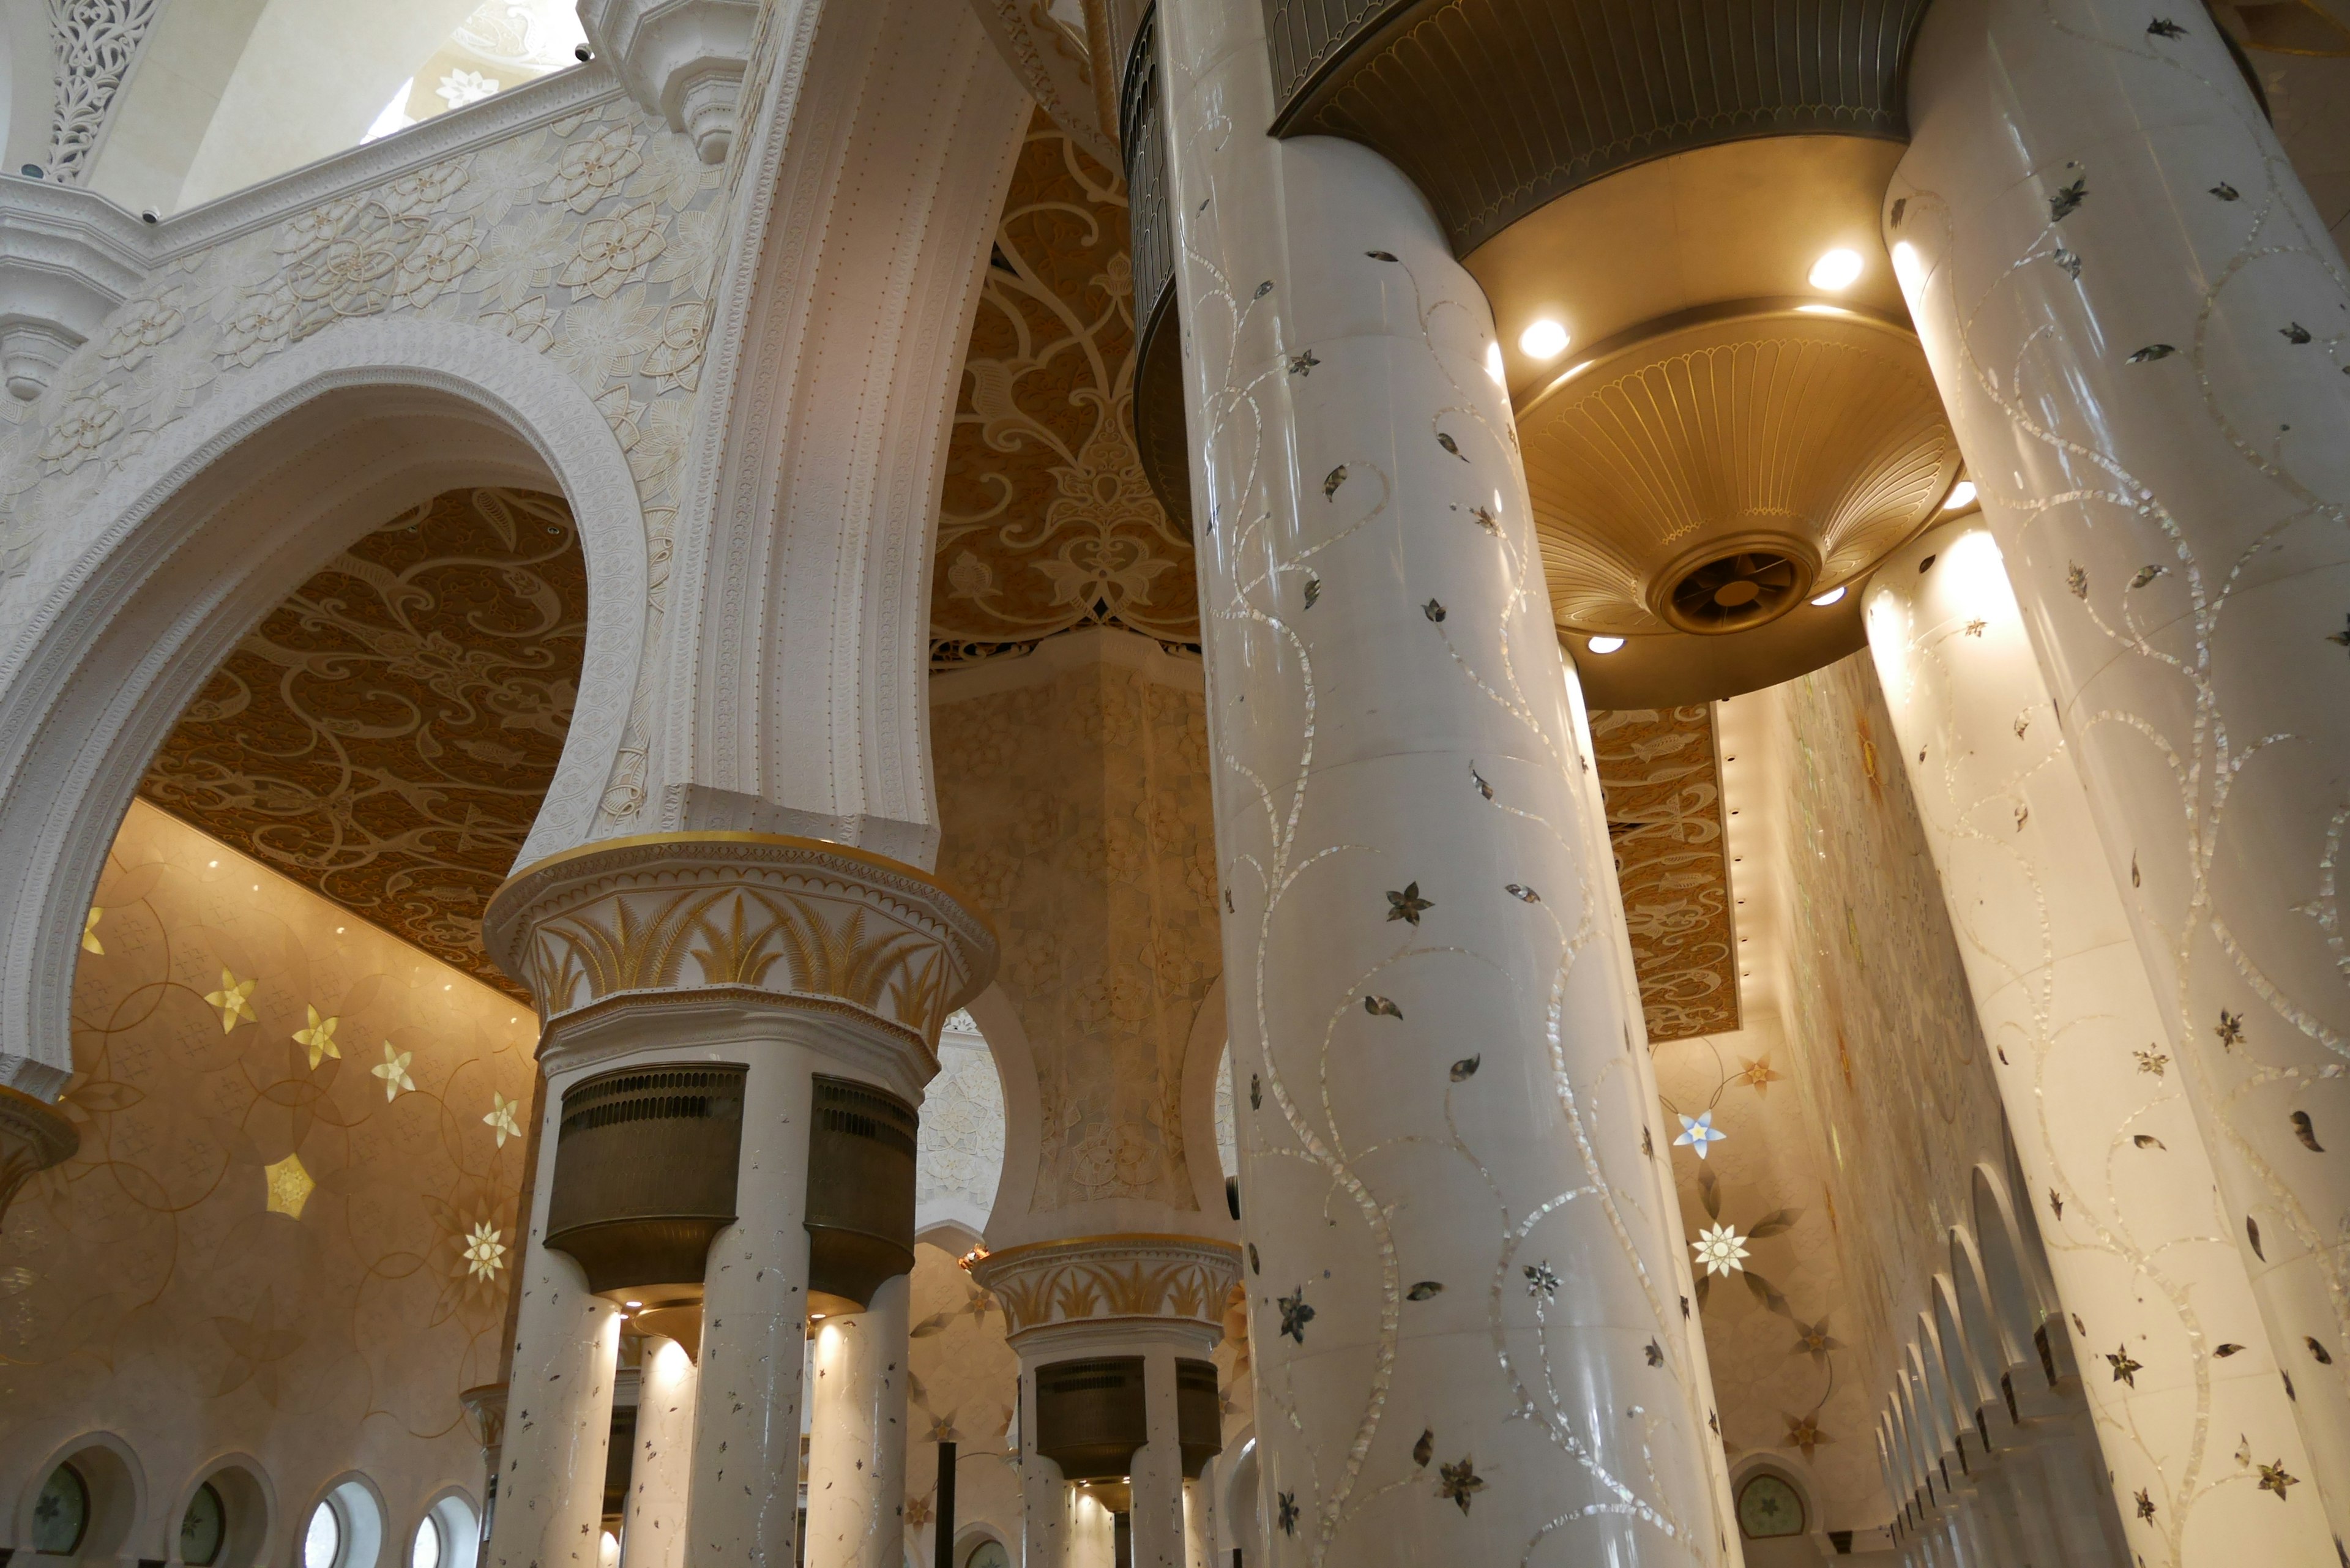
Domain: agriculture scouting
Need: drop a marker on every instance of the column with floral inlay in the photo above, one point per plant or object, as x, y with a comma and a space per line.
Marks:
2140, 325
2178, 1371
1462, 1277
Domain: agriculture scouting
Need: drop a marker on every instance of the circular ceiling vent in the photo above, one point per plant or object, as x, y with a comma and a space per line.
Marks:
1732, 592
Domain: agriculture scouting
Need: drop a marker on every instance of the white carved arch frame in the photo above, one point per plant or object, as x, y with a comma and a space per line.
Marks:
200, 534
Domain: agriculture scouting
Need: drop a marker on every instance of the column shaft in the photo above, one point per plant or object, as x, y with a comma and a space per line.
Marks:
1045, 1500
558, 1427
857, 1441
2136, 1238
2136, 318
1157, 1510
1463, 1303
654, 1536
747, 1430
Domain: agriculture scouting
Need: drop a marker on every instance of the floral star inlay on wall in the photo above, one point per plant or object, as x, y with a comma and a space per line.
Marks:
1699, 1134
1720, 1249
234, 999
289, 1185
393, 1071
485, 1252
319, 1038
501, 1118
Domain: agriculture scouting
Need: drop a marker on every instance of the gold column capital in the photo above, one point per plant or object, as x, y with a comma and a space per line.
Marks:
763, 914
1183, 1280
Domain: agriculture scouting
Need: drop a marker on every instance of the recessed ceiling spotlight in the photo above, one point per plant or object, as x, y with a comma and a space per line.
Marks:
1962, 494
1545, 339
1836, 271
1830, 596
1605, 644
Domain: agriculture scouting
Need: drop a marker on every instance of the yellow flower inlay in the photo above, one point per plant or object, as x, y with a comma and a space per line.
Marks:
234, 999
485, 1252
90, 943
394, 1071
319, 1037
289, 1185
502, 1117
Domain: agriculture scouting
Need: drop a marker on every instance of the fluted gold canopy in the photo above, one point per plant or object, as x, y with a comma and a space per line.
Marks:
1717, 471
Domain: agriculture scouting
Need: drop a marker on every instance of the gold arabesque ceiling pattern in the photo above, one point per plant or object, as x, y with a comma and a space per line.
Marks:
1047, 522
1659, 773
385, 737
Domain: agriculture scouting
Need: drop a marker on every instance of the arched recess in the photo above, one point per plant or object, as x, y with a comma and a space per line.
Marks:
116, 1484
2018, 1290
1783, 1551
246, 1497
1203, 1060
1976, 1385
1987, 1329
881, 138
200, 534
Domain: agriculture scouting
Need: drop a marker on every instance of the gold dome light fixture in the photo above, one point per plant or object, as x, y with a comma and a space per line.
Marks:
1699, 483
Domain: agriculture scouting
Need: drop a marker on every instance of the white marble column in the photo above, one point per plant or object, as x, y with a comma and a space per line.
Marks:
559, 1427
1045, 1500
744, 1495
857, 1441
2142, 1253
2139, 322
1156, 1513
1463, 1313
663, 1466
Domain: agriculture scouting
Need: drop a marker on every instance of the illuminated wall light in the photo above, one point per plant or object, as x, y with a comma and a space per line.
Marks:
1837, 270
1823, 310
1831, 596
1545, 339
1605, 644
1962, 496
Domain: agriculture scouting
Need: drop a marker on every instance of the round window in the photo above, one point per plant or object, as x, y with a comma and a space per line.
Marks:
425, 1551
322, 1542
61, 1517
1768, 1506
988, 1554
203, 1529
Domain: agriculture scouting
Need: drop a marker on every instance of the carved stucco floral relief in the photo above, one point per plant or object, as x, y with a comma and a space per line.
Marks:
1076, 813
385, 735
1047, 522
591, 239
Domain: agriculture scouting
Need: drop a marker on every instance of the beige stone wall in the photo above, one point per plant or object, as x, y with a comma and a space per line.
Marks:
288, 1238
1075, 808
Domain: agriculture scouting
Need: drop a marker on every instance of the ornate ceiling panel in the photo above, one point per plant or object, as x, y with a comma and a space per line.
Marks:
385, 735
1663, 791
1048, 522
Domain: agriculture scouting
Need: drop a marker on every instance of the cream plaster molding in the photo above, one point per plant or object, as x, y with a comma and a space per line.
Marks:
876, 162
681, 59
34, 1136
1049, 1286
332, 435
828, 928
1059, 70
1057, 656
66, 258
